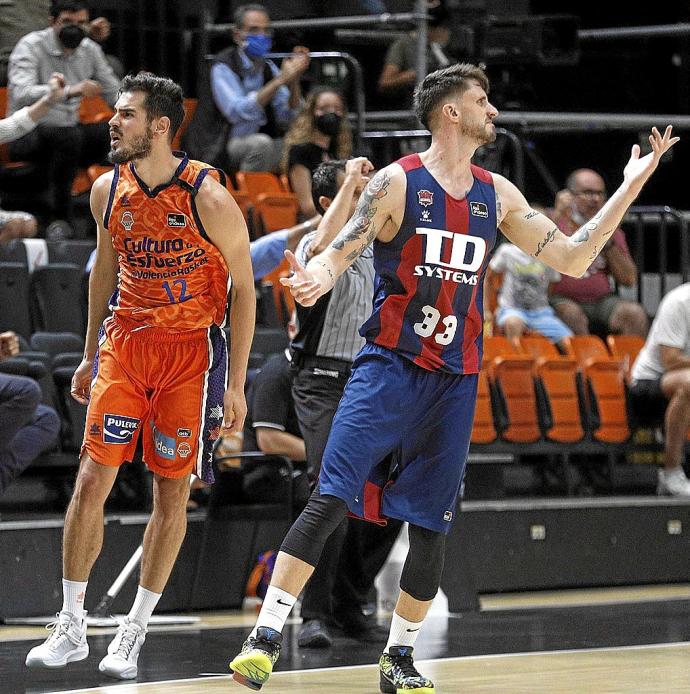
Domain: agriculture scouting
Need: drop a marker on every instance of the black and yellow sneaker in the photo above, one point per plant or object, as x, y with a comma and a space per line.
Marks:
253, 665
399, 675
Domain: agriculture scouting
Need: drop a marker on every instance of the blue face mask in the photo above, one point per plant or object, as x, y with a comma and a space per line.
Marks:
257, 45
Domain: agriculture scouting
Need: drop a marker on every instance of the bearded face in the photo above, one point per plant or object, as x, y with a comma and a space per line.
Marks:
126, 149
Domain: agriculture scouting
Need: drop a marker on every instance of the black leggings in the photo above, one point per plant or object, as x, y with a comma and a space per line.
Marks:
421, 574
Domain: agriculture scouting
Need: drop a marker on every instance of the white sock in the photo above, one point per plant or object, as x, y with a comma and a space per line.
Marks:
275, 610
402, 633
73, 593
144, 604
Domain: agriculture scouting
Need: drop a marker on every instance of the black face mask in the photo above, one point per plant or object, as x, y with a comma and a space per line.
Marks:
329, 123
71, 35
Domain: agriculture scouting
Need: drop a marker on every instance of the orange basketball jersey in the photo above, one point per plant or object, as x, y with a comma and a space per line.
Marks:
170, 274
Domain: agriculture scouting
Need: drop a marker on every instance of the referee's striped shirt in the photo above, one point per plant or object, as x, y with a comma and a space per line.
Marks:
330, 327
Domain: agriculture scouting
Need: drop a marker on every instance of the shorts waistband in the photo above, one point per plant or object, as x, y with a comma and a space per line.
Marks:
155, 333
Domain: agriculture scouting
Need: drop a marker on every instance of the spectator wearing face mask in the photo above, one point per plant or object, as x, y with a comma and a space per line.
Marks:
61, 144
320, 133
248, 103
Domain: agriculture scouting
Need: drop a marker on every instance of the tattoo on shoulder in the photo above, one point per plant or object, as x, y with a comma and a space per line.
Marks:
498, 208
546, 240
360, 221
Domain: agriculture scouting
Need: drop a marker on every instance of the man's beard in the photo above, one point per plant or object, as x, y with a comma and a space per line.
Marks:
139, 148
479, 133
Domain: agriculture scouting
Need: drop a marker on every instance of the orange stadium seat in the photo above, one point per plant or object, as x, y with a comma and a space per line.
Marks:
585, 347
94, 109
625, 347
257, 182
496, 346
276, 210
284, 303
558, 386
189, 109
483, 428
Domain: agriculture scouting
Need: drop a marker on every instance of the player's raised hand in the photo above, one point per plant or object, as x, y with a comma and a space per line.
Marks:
638, 170
303, 285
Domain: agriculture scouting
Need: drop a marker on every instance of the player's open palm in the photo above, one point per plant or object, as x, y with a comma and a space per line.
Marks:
81, 381
638, 170
303, 286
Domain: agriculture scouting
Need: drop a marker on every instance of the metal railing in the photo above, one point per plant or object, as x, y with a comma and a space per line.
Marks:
646, 32
358, 78
660, 247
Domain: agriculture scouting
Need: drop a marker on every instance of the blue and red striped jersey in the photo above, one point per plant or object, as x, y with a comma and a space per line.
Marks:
428, 296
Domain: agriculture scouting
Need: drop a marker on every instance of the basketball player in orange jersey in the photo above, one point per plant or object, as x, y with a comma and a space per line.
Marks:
171, 240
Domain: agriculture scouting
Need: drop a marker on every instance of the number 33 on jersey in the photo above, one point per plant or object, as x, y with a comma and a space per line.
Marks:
428, 300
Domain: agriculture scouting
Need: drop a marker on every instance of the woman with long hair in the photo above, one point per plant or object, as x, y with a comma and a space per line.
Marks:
321, 132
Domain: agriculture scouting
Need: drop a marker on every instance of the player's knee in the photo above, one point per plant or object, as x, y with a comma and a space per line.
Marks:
573, 316
92, 485
321, 516
170, 495
421, 574
629, 319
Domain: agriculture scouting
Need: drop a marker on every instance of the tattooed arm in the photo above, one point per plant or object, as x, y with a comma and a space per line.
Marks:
378, 215
539, 236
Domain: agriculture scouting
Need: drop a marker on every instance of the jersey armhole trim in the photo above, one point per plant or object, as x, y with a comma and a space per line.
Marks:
111, 196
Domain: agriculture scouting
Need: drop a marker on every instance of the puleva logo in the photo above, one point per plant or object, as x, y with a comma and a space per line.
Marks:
127, 220
164, 445
119, 429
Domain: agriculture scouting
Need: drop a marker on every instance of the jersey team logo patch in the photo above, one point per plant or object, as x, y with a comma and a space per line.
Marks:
184, 449
164, 445
176, 220
425, 197
184, 433
118, 429
127, 220
479, 209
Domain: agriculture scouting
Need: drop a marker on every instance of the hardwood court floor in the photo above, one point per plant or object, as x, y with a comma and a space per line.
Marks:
519, 645
627, 670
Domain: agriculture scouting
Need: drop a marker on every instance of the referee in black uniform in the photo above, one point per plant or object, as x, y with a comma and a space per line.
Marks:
323, 351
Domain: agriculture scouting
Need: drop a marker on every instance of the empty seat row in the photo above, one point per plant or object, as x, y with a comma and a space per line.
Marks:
531, 394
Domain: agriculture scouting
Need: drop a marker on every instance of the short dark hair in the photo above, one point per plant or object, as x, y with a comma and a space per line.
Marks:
58, 6
163, 97
439, 85
238, 15
324, 181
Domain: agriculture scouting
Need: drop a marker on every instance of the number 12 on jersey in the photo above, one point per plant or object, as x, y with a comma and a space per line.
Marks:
432, 317
182, 294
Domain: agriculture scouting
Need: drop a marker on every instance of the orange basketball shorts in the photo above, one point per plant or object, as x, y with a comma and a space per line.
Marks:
162, 385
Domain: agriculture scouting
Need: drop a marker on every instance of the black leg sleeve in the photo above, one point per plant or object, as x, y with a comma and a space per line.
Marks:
421, 575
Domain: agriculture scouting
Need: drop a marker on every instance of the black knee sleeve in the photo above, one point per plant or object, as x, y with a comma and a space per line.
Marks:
308, 534
421, 575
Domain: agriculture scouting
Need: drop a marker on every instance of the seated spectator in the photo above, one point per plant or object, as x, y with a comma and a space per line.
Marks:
660, 385
399, 75
589, 304
523, 302
27, 428
60, 143
16, 225
249, 103
271, 427
320, 133
20, 17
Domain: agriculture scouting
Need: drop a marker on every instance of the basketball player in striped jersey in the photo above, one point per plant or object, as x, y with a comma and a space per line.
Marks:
171, 242
433, 219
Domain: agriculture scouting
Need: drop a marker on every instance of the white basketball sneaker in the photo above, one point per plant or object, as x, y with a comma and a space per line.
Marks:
66, 643
123, 651
673, 483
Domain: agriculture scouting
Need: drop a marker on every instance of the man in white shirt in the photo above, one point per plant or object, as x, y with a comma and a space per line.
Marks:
660, 385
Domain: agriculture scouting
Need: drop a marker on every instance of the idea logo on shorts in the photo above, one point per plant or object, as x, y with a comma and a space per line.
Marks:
118, 429
165, 445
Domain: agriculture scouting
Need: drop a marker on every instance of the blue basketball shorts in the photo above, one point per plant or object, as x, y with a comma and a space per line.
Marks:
399, 440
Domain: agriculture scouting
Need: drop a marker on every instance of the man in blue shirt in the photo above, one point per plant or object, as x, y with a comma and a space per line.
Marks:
252, 101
